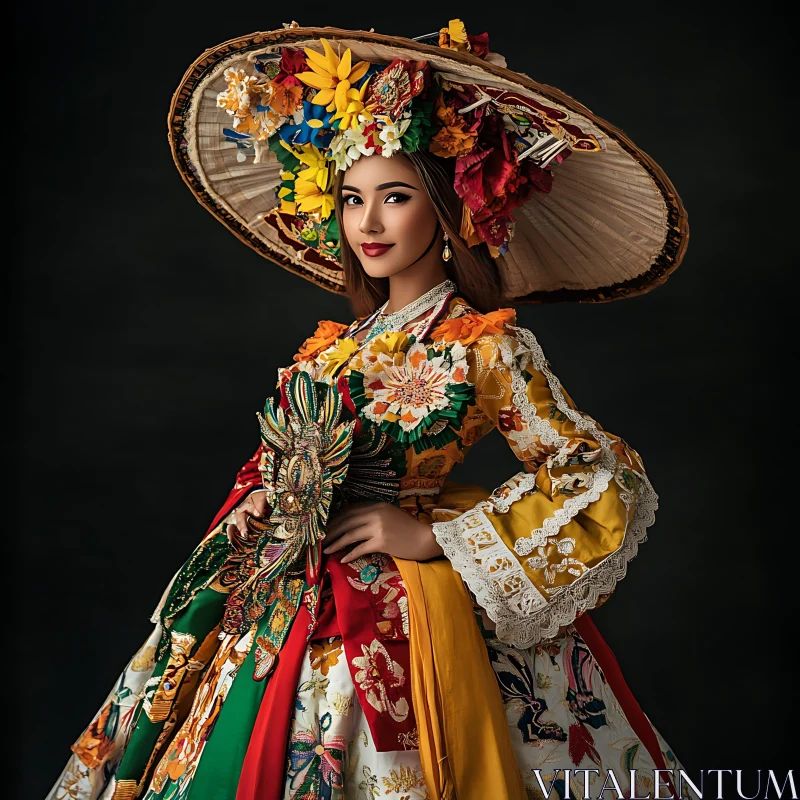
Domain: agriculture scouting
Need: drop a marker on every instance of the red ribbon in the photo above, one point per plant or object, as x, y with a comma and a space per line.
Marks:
607, 661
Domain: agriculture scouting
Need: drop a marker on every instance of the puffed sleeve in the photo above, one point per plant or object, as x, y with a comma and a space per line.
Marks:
554, 539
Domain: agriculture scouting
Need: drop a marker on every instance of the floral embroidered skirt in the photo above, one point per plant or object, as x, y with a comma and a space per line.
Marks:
562, 715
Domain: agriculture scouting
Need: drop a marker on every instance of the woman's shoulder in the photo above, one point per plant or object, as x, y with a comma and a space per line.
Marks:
482, 333
326, 333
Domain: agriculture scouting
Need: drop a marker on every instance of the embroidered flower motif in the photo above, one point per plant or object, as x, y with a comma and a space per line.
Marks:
377, 676
391, 90
94, 745
315, 754
416, 394
470, 327
403, 780
325, 655
332, 76
324, 336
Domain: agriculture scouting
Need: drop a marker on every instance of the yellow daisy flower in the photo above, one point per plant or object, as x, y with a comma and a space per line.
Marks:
317, 164
340, 353
355, 106
332, 76
310, 198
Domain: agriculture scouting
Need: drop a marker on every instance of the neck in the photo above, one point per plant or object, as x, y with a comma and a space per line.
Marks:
406, 286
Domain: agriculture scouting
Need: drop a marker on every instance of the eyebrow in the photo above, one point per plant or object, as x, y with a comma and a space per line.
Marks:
382, 186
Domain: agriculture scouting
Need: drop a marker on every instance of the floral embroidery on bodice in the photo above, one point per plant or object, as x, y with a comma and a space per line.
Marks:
420, 391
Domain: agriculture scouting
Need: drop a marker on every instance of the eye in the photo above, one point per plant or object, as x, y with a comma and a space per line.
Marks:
347, 198
396, 197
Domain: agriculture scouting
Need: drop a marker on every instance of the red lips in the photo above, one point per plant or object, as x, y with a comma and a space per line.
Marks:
375, 248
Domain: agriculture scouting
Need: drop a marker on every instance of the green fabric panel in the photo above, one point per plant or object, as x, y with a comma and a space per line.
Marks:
217, 776
204, 612
202, 567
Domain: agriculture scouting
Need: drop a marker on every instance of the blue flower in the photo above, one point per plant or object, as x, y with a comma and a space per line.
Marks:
315, 127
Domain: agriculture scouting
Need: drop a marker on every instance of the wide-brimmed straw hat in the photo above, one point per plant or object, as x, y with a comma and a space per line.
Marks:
570, 207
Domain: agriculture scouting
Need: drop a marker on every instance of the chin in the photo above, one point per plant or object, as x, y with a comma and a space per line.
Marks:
375, 269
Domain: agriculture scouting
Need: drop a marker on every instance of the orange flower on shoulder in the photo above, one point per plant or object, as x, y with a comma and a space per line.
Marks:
325, 335
471, 327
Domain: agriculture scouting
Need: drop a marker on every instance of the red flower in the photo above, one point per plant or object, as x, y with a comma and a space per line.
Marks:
292, 62
492, 183
479, 45
392, 89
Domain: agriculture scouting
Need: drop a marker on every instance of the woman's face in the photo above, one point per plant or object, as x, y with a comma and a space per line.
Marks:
388, 217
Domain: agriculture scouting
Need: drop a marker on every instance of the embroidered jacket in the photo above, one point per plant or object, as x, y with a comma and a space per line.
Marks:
552, 540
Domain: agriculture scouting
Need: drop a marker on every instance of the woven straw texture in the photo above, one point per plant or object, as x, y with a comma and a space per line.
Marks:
613, 225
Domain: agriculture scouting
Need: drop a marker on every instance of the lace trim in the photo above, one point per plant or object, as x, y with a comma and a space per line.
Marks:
483, 560
519, 485
492, 573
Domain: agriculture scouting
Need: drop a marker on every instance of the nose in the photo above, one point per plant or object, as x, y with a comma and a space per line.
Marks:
370, 219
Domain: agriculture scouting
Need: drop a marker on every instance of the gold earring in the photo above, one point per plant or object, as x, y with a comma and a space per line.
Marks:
446, 253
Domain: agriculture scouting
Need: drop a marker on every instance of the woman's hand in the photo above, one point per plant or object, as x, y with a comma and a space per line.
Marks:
381, 528
253, 505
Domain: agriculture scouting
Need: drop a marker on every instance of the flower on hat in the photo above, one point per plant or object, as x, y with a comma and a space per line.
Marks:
311, 199
332, 76
348, 145
452, 139
287, 89
236, 98
261, 124
314, 127
492, 183
454, 36
420, 128
348, 117
392, 89
389, 134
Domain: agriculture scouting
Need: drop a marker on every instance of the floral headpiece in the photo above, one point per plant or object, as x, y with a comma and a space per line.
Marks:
316, 113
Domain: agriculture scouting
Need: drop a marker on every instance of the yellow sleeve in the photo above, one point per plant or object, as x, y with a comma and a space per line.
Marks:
554, 539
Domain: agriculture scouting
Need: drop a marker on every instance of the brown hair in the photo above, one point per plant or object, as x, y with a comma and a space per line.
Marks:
472, 269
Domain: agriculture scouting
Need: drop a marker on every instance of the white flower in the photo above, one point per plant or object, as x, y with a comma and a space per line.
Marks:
236, 98
348, 146
390, 134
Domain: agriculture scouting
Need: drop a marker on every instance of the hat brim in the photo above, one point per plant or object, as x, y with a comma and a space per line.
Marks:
612, 226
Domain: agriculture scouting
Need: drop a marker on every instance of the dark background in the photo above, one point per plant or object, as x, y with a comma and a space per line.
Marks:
146, 337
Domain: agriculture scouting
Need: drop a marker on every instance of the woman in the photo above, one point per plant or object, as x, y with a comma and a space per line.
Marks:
353, 624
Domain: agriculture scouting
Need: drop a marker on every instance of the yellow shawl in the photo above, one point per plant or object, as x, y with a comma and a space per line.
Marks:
464, 742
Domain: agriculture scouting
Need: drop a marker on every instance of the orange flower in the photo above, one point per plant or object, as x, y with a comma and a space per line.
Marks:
470, 327
451, 139
94, 745
286, 98
325, 655
325, 335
